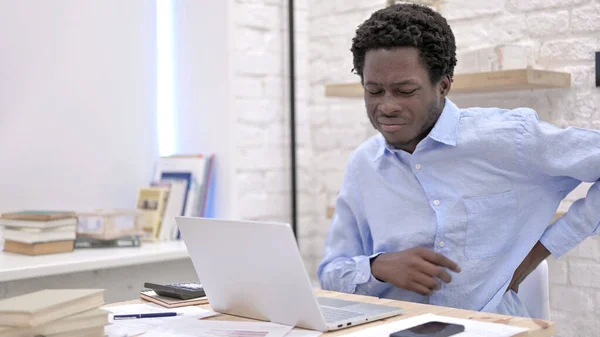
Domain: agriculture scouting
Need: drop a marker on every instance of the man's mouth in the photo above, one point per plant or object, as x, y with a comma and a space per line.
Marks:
391, 127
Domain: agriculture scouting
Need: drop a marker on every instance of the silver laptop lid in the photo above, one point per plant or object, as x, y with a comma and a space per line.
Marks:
252, 269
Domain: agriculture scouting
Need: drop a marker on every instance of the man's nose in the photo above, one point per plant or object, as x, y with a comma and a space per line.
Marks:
389, 108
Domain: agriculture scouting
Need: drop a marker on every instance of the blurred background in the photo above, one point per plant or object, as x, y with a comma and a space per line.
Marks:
93, 93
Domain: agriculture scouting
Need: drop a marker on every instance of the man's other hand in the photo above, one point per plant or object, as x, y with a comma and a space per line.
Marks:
537, 254
415, 269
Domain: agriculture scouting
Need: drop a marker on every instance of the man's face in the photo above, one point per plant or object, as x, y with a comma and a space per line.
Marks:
401, 101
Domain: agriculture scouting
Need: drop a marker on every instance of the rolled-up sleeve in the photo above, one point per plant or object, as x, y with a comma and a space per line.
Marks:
346, 264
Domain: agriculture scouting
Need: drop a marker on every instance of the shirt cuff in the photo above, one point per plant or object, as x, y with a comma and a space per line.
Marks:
560, 238
363, 275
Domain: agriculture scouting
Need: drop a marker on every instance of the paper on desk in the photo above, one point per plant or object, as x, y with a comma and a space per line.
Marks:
134, 327
145, 308
472, 328
304, 333
200, 328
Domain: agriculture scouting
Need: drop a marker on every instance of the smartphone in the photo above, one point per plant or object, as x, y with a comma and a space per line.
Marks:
430, 329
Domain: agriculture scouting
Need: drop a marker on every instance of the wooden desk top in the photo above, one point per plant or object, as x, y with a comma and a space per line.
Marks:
537, 328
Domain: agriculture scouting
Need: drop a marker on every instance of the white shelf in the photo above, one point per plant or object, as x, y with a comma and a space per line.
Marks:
17, 266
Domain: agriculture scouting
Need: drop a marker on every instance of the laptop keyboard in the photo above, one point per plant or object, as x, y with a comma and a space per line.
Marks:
334, 302
335, 315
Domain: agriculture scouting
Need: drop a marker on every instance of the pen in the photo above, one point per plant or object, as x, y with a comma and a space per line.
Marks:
150, 315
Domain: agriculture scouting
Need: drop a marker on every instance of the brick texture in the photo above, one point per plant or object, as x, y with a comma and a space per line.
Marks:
261, 104
548, 23
468, 9
258, 93
586, 19
533, 5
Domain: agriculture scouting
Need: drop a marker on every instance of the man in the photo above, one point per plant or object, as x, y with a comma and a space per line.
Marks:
449, 206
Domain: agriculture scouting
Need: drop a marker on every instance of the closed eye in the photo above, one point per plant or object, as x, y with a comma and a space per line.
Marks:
407, 92
377, 92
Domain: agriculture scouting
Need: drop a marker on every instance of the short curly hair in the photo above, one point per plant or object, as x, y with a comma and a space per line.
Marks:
408, 25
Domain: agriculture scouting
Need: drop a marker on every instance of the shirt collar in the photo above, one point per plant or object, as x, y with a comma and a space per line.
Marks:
445, 129
383, 147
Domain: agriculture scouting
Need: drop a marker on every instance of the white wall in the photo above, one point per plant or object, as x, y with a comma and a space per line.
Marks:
204, 121
77, 103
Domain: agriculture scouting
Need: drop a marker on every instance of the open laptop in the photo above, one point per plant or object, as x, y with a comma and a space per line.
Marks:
254, 270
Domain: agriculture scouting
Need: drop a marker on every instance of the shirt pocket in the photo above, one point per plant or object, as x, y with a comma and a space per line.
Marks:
491, 219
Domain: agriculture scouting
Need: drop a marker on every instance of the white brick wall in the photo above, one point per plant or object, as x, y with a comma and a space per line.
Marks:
561, 35
261, 101
585, 19
259, 88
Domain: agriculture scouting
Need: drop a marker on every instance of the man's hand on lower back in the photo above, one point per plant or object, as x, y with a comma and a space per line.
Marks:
416, 269
537, 254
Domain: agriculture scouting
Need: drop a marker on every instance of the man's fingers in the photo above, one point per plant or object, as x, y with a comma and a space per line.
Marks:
444, 276
440, 260
427, 281
436, 271
420, 289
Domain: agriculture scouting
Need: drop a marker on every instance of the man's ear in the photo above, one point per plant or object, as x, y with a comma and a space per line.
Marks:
445, 85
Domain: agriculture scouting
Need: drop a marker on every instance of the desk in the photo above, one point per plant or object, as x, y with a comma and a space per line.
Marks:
537, 328
119, 270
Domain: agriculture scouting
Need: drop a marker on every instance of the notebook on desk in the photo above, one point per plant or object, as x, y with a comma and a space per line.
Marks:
44, 306
254, 270
76, 325
167, 302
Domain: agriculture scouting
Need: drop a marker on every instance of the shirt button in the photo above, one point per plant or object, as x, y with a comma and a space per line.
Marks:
437, 203
442, 244
418, 166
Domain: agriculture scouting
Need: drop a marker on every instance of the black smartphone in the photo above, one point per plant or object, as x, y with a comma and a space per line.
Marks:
431, 329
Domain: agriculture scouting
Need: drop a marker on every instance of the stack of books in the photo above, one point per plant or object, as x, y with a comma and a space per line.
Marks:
54, 313
39, 232
168, 302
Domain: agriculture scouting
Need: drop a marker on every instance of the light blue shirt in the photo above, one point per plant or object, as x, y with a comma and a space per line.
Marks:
481, 188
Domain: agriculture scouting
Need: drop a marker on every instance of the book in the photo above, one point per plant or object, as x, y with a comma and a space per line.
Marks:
167, 302
200, 167
36, 235
151, 203
37, 223
41, 248
175, 206
179, 177
126, 241
41, 307
93, 332
94, 318
38, 215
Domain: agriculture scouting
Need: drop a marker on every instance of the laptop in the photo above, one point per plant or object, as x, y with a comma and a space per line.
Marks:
254, 270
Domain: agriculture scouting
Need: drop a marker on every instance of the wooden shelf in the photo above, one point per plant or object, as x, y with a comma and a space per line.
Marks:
519, 79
